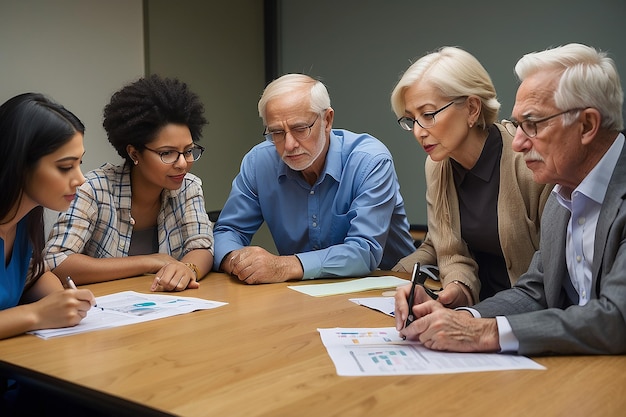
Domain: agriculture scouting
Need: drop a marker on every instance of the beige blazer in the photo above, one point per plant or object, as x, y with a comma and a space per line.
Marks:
520, 203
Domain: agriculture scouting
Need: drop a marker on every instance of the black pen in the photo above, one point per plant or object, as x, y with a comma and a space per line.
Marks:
410, 318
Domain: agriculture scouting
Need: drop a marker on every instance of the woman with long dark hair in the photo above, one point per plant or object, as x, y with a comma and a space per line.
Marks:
41, 148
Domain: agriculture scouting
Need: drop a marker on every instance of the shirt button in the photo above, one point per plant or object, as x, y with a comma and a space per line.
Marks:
578, 258
314, 224
581, 221
312, 192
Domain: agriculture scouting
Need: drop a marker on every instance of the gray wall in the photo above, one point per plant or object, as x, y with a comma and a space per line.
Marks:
217, 48
81, 51
359, 49
78, 52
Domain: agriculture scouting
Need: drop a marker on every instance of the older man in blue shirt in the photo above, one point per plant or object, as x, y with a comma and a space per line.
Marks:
330, 197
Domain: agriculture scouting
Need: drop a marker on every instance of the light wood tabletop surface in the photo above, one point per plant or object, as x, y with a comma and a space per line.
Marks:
261, 355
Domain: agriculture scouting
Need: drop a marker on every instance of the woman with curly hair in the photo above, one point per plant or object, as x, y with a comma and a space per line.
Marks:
146, 215
41, 148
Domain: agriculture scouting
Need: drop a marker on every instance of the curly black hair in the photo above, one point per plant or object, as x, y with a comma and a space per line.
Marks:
138, 111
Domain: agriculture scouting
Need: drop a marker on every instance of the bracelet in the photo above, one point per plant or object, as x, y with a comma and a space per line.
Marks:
194, 268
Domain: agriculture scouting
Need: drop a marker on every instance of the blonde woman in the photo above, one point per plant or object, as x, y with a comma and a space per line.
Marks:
483, 206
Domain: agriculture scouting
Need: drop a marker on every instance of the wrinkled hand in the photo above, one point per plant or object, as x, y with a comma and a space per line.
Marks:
440, 328
255, 265
63, 308
174, 276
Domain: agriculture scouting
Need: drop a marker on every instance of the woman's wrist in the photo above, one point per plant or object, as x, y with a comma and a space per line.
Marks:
467, 291
195, 270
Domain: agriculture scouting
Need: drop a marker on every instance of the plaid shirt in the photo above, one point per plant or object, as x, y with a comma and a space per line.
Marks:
98, 221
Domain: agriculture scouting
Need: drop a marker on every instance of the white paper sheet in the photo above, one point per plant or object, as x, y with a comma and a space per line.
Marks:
129, 307
380, 351
354, 285
385, 305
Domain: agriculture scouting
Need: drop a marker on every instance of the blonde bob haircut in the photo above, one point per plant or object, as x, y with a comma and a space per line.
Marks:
456, 73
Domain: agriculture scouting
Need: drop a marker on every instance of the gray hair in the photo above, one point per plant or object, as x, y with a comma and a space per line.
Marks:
589, 78
287, 84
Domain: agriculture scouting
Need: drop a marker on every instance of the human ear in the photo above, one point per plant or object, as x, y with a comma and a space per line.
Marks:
474, 106
329, 116
132, 153
591, 120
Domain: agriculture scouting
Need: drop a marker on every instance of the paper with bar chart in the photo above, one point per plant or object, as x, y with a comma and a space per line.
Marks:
381, 351
130, 307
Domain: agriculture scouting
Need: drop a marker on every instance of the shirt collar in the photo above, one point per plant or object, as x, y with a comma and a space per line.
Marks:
595, 184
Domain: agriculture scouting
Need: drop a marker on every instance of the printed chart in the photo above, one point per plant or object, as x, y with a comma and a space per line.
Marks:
380, 351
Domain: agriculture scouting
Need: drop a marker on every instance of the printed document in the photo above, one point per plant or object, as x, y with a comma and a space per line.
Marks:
129, 307
381, 351
383, 304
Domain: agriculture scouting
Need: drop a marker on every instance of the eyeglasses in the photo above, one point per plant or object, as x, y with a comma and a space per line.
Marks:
170, 157
426, 120
299, 133
529, 127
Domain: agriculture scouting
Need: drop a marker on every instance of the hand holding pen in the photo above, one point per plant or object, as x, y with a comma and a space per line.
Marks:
72, 285
418, 278
410, 318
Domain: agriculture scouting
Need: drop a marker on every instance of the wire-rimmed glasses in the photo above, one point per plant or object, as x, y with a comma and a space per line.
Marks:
529, 126
425, 120
170, 157
299, 133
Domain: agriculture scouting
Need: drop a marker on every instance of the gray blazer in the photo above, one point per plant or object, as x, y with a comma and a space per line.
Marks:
537, 307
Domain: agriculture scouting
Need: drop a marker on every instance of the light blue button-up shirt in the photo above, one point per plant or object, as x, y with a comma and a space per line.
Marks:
351, 221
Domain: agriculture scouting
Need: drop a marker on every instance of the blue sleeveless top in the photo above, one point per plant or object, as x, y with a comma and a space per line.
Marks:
13, 275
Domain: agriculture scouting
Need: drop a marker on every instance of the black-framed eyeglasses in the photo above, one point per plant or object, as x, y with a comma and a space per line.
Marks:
425, 120
170, 157
529, 127
299, 133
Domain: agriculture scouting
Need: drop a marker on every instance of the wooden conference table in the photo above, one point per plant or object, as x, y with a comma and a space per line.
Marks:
261, 355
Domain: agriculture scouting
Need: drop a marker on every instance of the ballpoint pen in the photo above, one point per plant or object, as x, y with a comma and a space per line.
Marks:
70, 283
410, 318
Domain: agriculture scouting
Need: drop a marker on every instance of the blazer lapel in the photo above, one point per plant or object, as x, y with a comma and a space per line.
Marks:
612, 201
555, 226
